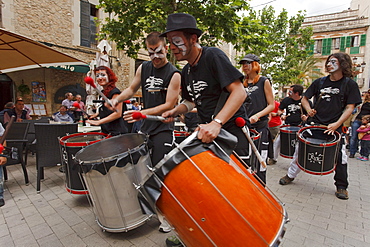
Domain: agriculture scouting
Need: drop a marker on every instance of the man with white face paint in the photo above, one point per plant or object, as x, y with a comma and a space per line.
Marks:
210, 82
339, 95
160, 85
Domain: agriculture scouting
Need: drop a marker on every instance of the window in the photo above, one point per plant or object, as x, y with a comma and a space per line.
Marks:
336, 43
318, 46
355, 41
88, 27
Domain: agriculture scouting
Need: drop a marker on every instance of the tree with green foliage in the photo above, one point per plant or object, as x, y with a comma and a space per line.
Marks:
131, 20
309, 71
280, 42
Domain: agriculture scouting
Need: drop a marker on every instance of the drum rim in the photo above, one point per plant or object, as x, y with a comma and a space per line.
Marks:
289, 131
334, 143
112, 157
256, 137
62, 140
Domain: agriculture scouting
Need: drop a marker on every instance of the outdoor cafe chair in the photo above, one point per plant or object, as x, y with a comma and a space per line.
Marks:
16, 140
48, 147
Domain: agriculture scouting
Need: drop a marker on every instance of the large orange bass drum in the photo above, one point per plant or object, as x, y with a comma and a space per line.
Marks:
211, 199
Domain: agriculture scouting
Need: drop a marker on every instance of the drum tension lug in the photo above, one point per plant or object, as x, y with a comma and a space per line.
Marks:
136, 186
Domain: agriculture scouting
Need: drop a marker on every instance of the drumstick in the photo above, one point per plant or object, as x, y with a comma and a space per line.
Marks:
240, 122
139, 115
90, 81
77, 105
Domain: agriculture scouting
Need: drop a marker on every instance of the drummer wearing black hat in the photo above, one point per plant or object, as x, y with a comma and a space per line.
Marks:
210, 82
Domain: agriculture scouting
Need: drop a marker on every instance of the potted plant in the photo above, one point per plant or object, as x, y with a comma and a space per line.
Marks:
24, 89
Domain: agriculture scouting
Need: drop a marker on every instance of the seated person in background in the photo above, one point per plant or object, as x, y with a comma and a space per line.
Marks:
62, 115
7, 108
18, 111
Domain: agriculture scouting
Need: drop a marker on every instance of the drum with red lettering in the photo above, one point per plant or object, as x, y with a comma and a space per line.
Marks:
211, 199
70, 145
317, 151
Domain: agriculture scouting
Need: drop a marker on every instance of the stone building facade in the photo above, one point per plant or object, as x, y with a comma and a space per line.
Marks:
67, 26
347, 31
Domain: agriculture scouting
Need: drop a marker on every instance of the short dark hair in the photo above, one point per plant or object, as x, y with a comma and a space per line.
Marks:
153, 39
297, 89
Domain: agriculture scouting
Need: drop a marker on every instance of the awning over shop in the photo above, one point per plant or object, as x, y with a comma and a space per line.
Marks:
20, 53
73, 68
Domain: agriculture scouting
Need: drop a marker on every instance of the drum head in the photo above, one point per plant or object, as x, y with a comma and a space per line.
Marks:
109, 149
289, 129
317, 136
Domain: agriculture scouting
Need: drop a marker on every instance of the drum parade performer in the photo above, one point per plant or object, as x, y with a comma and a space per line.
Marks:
210, 82
294, 114
160, 84
336, 97
259, 104
111, 122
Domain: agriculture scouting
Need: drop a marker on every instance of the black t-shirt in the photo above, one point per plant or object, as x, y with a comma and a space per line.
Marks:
333, 101
204, 82
154, 84
292, 110
118, 126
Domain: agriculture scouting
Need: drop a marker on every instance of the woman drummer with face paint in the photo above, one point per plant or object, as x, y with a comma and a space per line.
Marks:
111, 122
336, 96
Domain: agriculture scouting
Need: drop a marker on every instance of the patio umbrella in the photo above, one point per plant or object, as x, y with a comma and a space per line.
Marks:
19, 53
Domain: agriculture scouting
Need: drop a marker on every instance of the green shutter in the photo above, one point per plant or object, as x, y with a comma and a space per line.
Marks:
348, 41
354, 50
363, 40
342, 44
326, 46
310, 48
85, 23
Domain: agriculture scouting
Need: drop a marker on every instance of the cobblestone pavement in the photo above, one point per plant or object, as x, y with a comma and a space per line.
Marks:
56, 218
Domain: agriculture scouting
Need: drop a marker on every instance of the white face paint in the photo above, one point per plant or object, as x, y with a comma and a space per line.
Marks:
156, 53
102, 75
333, 65
179, 43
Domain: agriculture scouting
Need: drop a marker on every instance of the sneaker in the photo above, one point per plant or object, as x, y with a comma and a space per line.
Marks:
351, 155
173, 241
342, 194
271, 162
164, 228
364, 158
285, 180
359, 158
2, 202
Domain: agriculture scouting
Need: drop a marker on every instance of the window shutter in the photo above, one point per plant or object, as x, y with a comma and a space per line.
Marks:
363, 40
348, 41
342, 44
85, 23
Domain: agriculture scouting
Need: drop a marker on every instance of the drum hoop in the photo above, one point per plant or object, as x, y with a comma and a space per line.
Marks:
63, 140
257, 136
289, 131
113, 157
334, 143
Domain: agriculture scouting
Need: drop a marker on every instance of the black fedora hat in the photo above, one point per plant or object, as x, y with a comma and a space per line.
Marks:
181, 22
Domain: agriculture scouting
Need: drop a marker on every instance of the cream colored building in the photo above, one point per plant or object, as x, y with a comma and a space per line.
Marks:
347, 31
67, 26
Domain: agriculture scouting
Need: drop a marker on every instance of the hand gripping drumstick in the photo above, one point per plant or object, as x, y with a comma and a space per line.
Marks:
139, 115
240, 122
90, 81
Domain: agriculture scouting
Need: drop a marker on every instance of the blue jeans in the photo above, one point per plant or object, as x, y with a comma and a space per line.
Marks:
353, 143
1, 183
